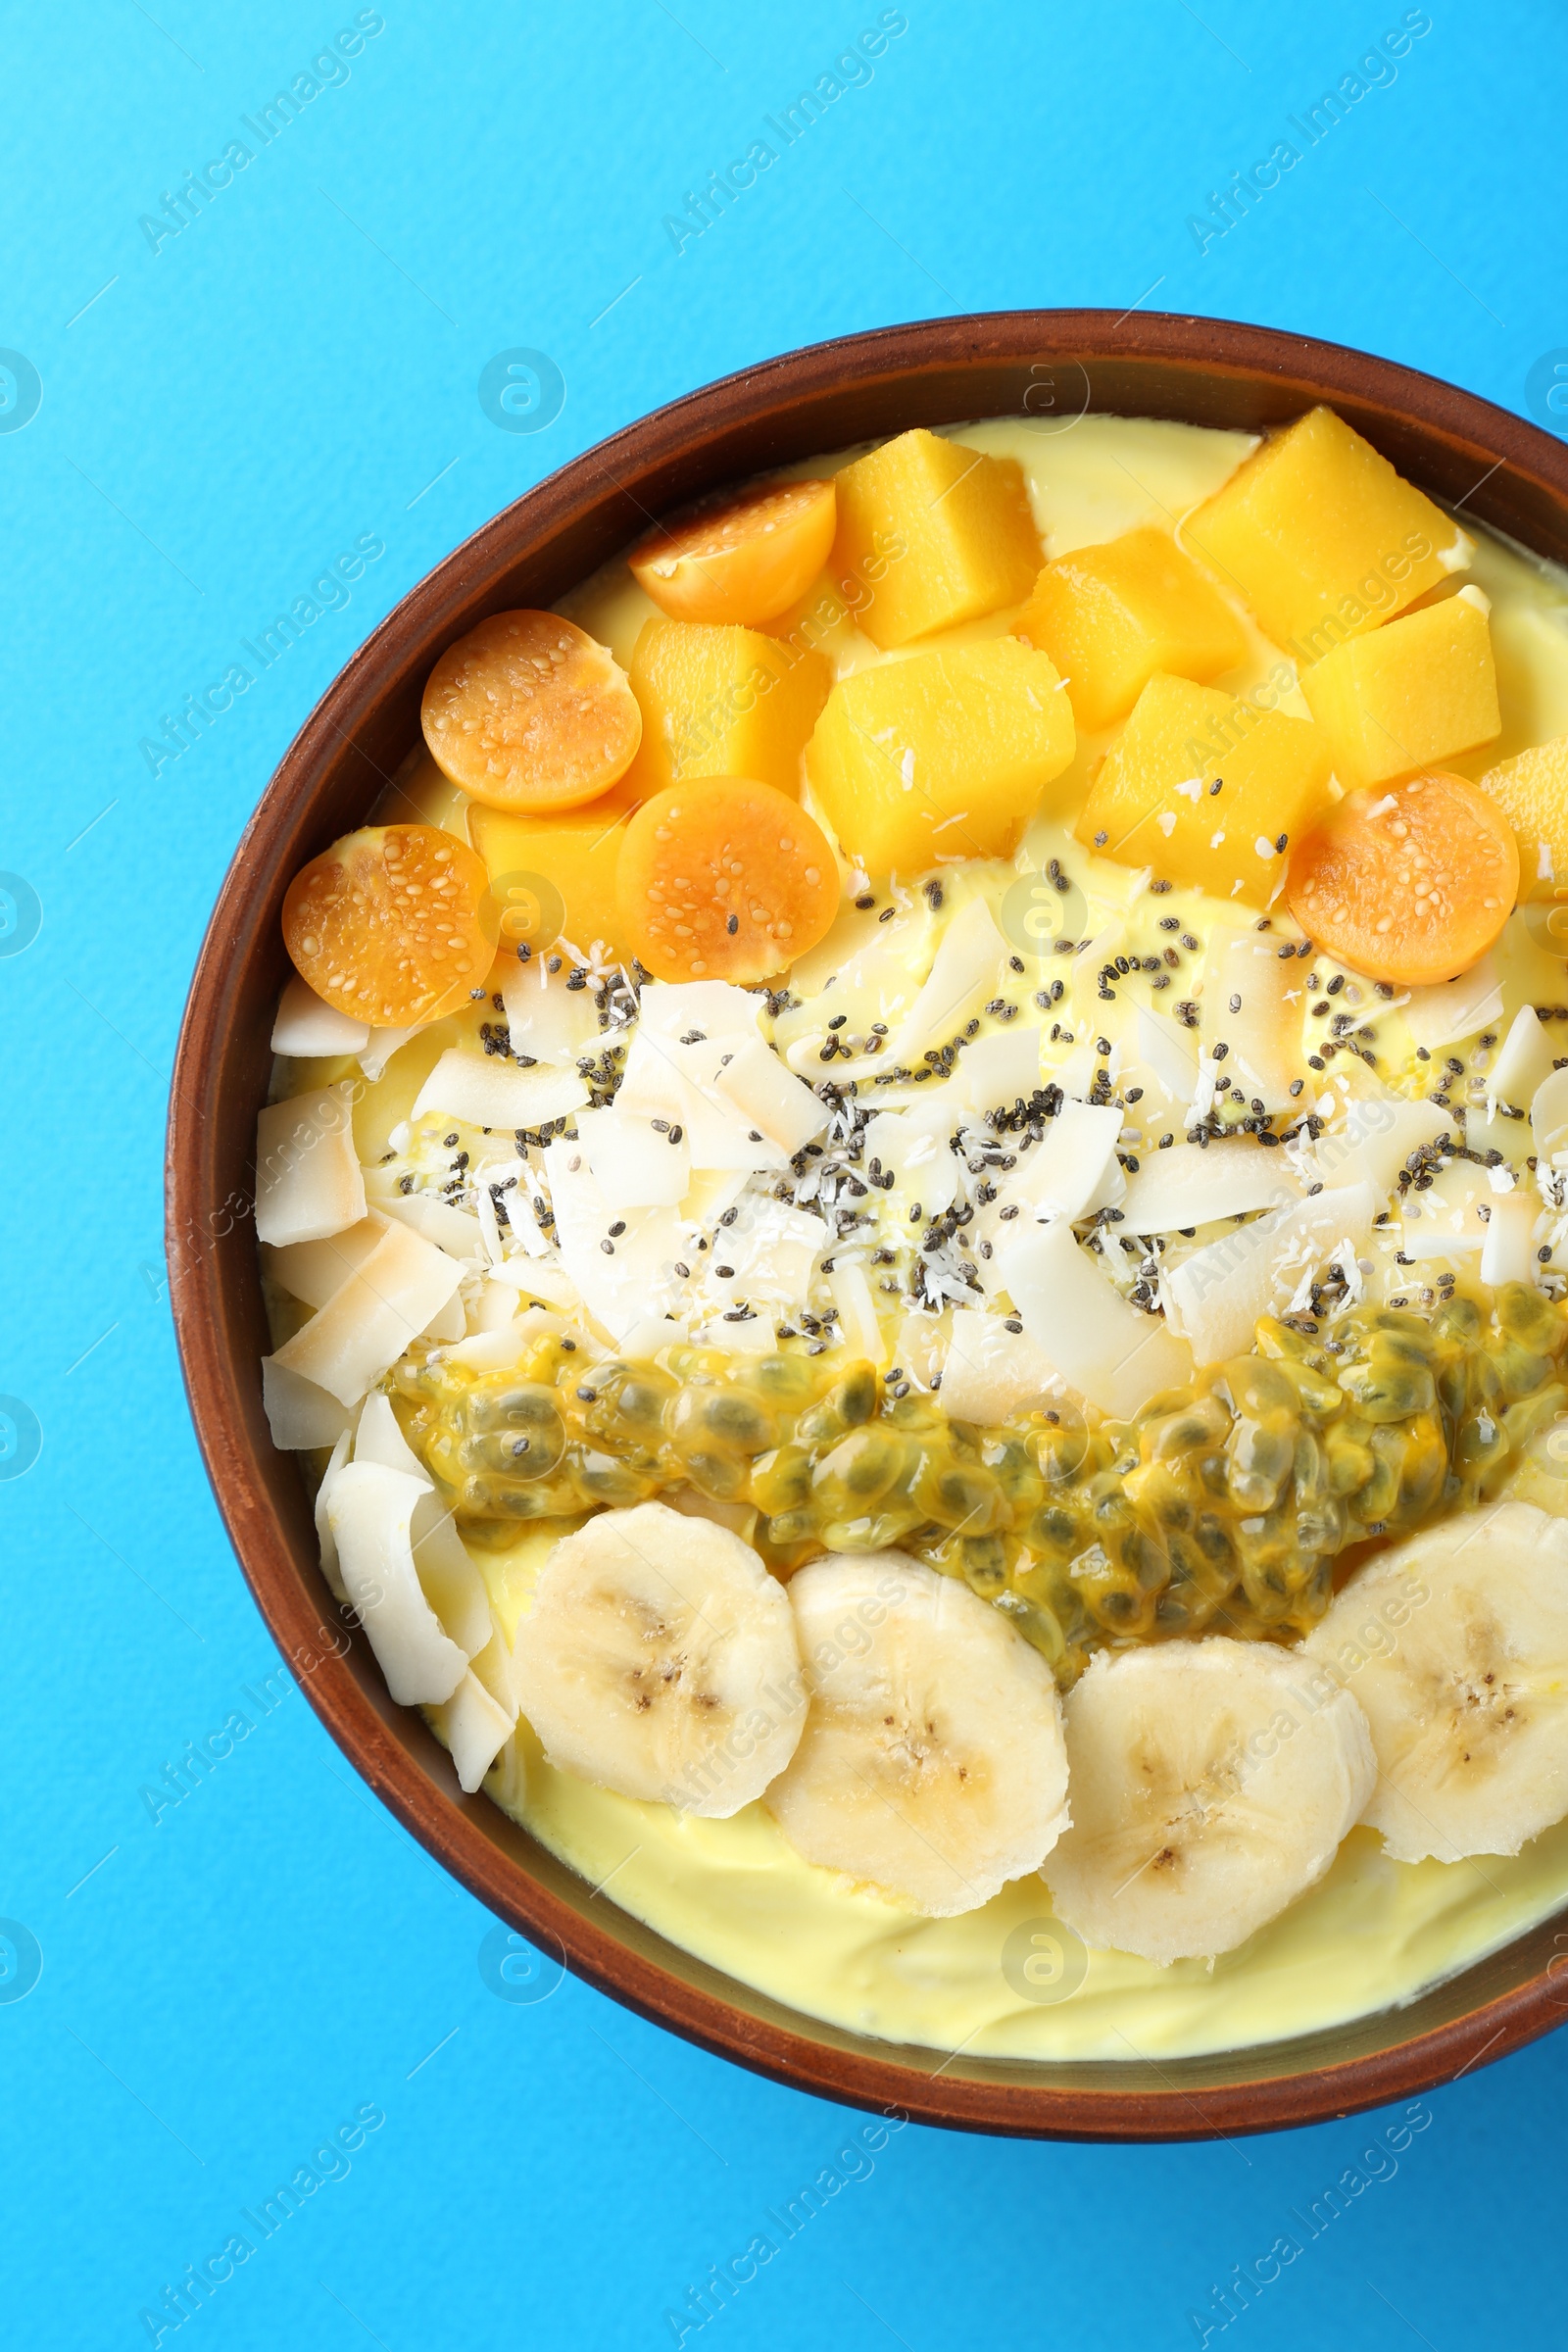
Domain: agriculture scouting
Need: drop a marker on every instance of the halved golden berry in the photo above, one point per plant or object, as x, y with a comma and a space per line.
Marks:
530, 712
392, 925
744, 558
722, 879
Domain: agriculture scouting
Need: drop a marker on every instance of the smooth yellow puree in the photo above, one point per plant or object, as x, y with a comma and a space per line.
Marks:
1374, 1933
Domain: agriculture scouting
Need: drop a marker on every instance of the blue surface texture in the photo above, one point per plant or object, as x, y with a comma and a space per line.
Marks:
433, 252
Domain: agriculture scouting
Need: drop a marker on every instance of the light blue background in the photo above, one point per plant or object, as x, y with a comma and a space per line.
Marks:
218, 420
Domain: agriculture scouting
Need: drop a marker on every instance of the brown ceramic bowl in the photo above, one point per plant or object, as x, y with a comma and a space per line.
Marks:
1046, 365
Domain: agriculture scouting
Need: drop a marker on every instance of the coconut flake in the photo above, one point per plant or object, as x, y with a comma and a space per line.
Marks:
635, 1276
1102, 1346
1508, 1252
1095, 954
513, 1181
1163, 1055
384, 1042
299, 1414
369, 1509
543, 1278
545, 1018
991, 1374
772, 1250
313, 1271
1202, 1101
1524, 1064
751, 1335
920, 1345
1456, 1009
769, 1098
673, 1009
1065, 1173
1548, 1116
323, 1531
1194, 1184
1446, 1218
476, 1728
634, 1163
494, 1310
1216, 1298
713, 1191
496, 1343
368, 1323
963, 973
449, 1322
456, 1231
1077, 1074
1264, 1035
914, 1146
1379, 1135
666, 1079
998, 1071
307, 1026
489, 1223
488, 1092
860, 1326
448, 1577
719, 1134
308, 1179
645, 1338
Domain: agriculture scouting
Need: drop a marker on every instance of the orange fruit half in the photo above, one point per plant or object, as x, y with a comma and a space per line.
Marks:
393, 924
528, 711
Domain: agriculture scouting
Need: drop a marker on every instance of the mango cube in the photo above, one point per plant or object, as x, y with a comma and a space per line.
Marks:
1410, 695
1207, 790
1322, 537
722, 701
1109, 616
555, 877
1532, 791
942, 755
939, 532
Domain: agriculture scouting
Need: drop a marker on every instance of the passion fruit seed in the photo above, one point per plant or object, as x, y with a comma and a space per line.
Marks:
1222, 1506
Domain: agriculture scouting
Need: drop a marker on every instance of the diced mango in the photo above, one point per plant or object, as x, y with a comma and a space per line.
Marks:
942, 755
1207, 790
555, 875
939, 532
419, 794
1532, 791
825, 619
1109, 616
722, 701
1410, 695
1322, 537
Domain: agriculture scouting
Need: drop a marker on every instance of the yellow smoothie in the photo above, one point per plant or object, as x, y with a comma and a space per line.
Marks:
1001, 1982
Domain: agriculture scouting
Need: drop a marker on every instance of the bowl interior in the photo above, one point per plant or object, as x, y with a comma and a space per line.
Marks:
1049, 368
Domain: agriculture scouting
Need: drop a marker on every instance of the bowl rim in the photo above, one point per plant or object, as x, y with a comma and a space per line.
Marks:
1193, 369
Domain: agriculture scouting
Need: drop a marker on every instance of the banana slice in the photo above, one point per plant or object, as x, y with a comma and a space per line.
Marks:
932, 1763
659, 1660
1456, 1645
1212, 1783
